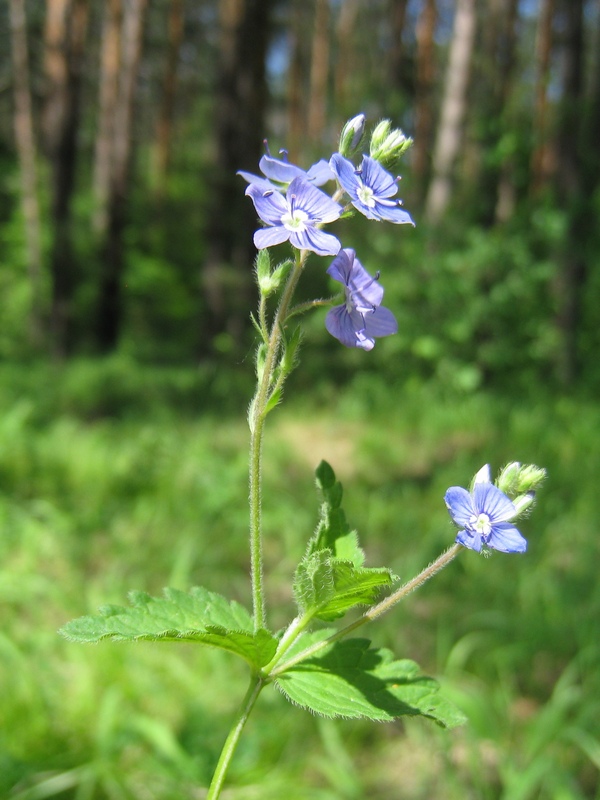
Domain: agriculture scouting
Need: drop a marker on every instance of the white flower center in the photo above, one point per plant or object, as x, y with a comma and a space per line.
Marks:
295, 220
481, 524
366, 196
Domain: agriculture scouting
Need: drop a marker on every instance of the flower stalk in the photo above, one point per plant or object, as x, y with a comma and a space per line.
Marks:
256, 419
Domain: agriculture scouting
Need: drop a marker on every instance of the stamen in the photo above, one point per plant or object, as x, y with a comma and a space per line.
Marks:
268, 193
284, 153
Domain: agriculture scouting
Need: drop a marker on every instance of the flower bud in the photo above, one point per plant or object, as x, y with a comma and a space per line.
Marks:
352, 136
523, 503
388, 144
518, 479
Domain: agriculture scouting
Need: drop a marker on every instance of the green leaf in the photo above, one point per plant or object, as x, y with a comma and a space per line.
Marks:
326, 587
331, 578
351, 679
200, 616
333, 532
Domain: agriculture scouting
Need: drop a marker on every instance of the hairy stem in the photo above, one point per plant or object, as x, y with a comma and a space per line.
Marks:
228, 750
257, 416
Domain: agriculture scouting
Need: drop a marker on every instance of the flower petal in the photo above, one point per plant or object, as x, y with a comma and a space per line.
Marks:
460, 505
484, 475
380, 322
339, 324
320, 173
367, 294
376, 177
394, 214
270, 206
264, 185
340, 268
278, 170
267, 237
345, 172
323, 244
488, 499
507, 539
470, 540
319, 206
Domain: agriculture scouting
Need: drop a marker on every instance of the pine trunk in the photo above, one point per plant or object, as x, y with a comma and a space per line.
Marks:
543, 162
164, 129
110, 62
110, 303
25, 142
424, 95
319, 73
64, 38
572, 274
239, 130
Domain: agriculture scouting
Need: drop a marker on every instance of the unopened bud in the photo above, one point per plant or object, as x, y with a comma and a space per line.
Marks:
388, 144
352, 136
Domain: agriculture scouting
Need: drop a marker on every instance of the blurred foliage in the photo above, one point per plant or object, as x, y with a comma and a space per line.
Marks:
116, 476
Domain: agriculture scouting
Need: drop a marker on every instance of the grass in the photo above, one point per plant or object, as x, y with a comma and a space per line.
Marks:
117, 477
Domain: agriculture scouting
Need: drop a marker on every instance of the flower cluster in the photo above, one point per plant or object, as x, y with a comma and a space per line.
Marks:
292, 207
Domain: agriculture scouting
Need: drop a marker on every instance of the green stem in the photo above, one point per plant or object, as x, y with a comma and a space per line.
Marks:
375, 611
255, 688
257, 418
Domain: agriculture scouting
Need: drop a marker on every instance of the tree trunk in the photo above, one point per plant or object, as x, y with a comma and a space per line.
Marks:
543, 162
110, 311
454, 105
25, 142
506, 189
397, 17
424, 95
319, 73
164, 128
571, 185
296, 89
110, 62
65, 33
239, 131
345, 55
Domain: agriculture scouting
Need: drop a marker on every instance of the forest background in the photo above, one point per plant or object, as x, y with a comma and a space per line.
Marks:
125, 345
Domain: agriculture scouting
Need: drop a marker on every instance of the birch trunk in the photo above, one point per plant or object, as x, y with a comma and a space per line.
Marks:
454, 105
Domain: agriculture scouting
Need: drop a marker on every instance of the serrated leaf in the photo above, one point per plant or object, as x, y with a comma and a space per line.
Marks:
333, 532
326, 587
351, 679
199, 616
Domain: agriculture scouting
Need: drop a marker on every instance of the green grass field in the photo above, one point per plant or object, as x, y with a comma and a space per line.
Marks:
116, 477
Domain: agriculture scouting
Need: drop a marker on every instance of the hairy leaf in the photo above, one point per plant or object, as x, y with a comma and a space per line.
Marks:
199, 616
326, 587
351, 679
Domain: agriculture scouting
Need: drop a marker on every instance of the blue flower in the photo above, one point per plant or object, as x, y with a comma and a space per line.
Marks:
361, 318
279, 173
484, 516
296, 217
370, 189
